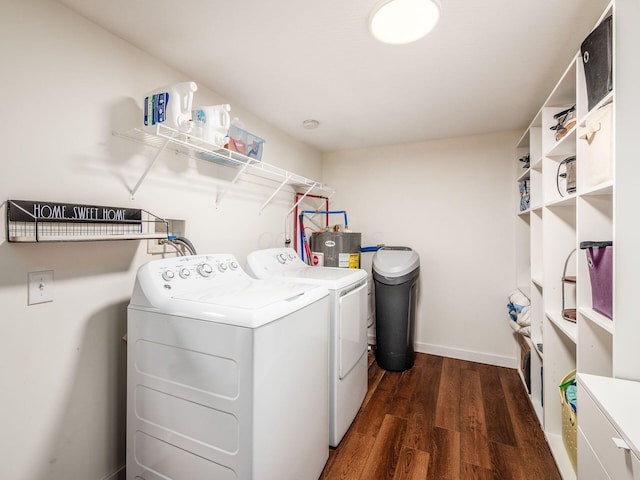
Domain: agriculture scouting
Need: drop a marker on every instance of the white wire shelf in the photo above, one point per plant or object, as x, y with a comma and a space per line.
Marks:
162, 137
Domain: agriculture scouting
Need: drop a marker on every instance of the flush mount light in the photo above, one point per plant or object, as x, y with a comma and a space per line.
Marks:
403, 21
310, 124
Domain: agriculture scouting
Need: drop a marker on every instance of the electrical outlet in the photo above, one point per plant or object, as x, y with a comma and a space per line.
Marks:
40, 287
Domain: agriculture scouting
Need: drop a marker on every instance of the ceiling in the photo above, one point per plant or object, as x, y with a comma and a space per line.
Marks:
486, 67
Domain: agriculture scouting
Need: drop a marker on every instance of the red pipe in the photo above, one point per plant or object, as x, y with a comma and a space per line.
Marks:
296, 227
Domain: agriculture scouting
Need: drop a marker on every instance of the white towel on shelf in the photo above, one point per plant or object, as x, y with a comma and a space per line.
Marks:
524, 317
519, 308
517, 298
526, 331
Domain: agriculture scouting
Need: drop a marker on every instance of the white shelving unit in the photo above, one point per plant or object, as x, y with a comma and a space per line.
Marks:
558, 221
162, 138
551, 236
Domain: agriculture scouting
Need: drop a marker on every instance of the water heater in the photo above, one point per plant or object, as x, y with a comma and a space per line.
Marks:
339, 249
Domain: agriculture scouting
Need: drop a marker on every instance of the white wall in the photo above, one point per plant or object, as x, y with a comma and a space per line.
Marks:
451, 201
67, 84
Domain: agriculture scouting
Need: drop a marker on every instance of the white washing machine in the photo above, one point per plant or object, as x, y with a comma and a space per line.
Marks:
227, 375
348, 330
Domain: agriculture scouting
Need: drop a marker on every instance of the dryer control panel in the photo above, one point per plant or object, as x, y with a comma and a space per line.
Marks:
273, 261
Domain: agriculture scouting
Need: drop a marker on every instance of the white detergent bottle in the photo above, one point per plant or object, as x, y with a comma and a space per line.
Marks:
211, 123
170, 106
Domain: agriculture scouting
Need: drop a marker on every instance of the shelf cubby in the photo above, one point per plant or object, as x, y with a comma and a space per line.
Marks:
595, 344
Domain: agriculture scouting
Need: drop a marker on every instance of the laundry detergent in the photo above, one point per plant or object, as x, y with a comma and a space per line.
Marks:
170, 106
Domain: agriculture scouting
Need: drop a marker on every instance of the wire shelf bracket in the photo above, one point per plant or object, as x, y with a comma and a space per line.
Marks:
162, 137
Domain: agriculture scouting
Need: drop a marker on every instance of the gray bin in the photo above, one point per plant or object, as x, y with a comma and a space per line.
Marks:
395, 275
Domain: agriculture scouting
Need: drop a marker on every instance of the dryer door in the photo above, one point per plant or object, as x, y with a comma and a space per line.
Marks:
352, 322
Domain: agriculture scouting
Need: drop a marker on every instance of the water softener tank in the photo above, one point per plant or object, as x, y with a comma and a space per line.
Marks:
339, 249
395, 275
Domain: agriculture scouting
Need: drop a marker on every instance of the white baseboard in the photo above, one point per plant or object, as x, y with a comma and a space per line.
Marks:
469, 355
119, 474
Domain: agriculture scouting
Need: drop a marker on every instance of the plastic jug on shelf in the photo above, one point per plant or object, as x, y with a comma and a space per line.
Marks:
170, 106
211, 123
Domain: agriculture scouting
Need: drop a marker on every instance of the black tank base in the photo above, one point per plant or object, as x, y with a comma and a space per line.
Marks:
394, 362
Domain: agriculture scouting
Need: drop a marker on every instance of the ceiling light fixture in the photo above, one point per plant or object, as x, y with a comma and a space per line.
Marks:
403, 21
310, 124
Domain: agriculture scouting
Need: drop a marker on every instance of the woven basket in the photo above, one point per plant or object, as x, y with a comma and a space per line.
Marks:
569, 422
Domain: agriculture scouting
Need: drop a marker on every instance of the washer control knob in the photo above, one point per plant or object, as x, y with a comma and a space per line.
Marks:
185, 273
168, 275
282, 258
222, 267
233, 265
205, 269
292, 256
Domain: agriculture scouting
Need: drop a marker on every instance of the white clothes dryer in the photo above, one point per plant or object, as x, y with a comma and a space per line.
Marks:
348, 327
227, 375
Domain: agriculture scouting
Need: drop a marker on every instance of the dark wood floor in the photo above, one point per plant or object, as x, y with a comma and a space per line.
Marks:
443, 419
